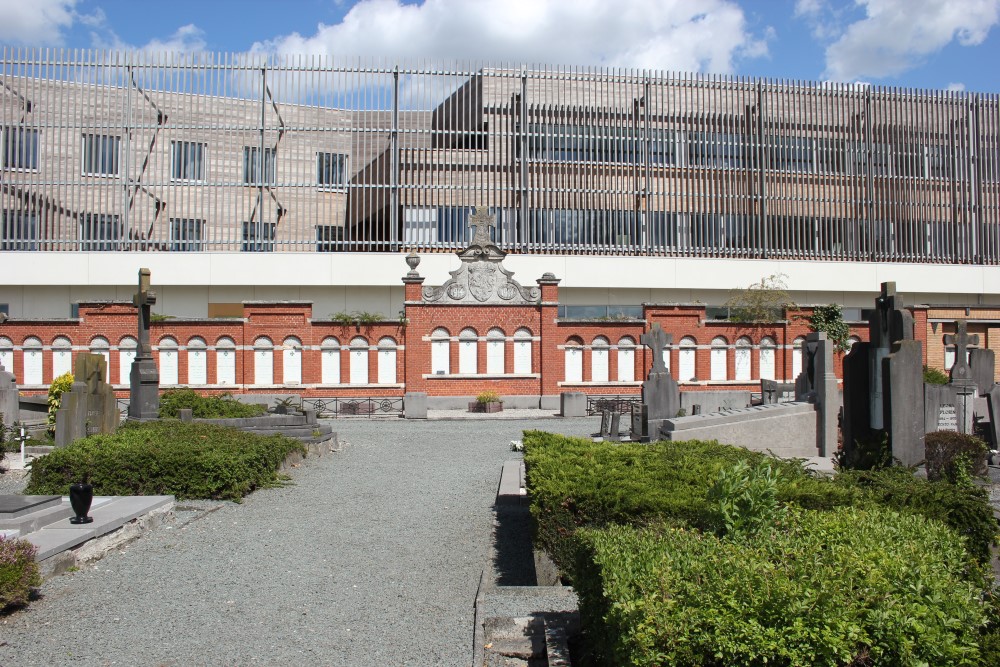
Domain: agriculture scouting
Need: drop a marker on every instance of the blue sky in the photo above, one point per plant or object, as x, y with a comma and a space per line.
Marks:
911, 43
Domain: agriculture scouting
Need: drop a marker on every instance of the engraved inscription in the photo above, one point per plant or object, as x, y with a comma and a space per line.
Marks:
947, 418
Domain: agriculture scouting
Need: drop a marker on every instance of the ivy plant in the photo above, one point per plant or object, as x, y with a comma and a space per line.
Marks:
830, 319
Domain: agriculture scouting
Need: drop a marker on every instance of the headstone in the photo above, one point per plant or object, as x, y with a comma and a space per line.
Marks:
610, 425
144, 380
573, 404
856, 424
939, 408
962, 382
993, 403
661, 398
887, 324
415, 405
10, 411
982, 364
90, 406
824, 391
772, 391
903, 406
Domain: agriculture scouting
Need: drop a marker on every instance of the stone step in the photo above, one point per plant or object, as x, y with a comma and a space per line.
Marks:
37, 520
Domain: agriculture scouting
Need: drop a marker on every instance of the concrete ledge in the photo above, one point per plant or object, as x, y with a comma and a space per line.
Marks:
754, 428
511, 490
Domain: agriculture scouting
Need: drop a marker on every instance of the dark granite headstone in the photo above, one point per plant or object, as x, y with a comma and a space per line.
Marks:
144, 379
993, 405
887, 323
903, 396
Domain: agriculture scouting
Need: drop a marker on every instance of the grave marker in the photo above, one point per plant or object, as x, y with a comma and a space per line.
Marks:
90, 406
661, 397
144, 379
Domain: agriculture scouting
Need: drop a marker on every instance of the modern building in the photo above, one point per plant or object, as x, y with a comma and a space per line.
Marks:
239, 180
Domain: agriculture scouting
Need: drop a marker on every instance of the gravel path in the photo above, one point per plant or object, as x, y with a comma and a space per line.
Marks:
372, 557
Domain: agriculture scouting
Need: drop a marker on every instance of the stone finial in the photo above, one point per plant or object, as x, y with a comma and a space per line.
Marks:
413, 261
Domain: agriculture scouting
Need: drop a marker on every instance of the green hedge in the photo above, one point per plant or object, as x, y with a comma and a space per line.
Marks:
159, 458
841, 587
574, 482
206, 407
18, 572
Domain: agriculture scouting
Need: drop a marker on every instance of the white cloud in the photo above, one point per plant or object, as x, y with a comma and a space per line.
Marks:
35, 22
955, 87
896, 35
186, 39
686, 35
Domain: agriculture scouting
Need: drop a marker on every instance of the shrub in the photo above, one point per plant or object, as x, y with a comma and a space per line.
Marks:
18, 572
158, 458
954, 456
206, 407
830, 318
59, 386
935, 376
744, 498
843, 587
488, 397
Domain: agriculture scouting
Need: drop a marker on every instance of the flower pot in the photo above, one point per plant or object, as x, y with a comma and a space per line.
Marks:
493, 406
80, 497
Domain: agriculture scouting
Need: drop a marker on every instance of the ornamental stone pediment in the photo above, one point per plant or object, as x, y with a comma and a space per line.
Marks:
482, 279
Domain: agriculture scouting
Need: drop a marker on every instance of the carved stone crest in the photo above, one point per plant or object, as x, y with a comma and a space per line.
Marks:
482, 278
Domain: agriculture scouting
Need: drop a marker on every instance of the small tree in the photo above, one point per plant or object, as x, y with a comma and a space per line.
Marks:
830, 318
59, 386
760, 303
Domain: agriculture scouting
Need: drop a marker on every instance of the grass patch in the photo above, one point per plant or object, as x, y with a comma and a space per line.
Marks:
187, 461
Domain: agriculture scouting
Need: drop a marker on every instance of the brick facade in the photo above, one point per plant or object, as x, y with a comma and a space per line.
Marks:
323, 358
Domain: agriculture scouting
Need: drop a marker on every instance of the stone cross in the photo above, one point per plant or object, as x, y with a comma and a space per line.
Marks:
483, 222
656, 340
960, 372
143, 299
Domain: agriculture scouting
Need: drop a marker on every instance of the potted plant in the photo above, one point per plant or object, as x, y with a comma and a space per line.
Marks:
486, 401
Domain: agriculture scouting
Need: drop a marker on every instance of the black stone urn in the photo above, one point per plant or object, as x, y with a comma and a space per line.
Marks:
80, 497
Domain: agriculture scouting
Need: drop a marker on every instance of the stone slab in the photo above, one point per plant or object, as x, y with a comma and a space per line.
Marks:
12, 506
511, 490
32, 521
784, 429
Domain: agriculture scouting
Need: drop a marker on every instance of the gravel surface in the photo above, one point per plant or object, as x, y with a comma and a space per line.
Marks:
371, 557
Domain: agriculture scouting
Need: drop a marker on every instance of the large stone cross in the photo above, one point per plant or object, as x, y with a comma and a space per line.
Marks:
960, 371
483, 222
656, 339
143, 299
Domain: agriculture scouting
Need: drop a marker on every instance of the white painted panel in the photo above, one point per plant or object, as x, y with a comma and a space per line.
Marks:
126, 355
599, 365
797, 359
168, 366
626, 365
387, 366
666, 357
263, 366
574, 364
742, 363
718, 370
62, 362
330, 361
7, 360
495, 357
686, 362
291, 358
225, 366
767, 363
440, 357
32, 366
197, 367
949, 358
359, 366
522, 356
467, 356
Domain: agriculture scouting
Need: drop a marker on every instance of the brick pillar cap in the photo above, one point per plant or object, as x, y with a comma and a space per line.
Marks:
548, 278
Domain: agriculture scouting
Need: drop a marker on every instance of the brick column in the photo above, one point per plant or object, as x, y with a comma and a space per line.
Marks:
550, 360
413, 356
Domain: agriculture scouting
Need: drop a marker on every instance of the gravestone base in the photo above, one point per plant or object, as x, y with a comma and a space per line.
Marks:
144, 397
415, 405
573, 404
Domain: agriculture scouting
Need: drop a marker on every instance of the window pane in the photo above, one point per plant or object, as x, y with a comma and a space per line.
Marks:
186, 234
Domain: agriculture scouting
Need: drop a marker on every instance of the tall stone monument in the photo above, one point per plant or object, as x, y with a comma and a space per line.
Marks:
661, 398
144, 380
9, 405
818, 384
90, 405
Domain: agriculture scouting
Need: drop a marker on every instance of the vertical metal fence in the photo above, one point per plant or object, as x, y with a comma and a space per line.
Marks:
103, 151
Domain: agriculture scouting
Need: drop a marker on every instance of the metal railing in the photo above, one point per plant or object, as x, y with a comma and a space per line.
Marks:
622, 403
114, 151
363, 406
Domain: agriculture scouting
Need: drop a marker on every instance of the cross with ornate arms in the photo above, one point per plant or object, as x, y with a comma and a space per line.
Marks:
482, 221
656, 339
143, 299
961, 341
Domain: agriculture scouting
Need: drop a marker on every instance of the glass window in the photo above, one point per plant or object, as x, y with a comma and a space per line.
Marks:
19, 230
331, 170
187, 160
100, 155
328, 238
715, 149
186, 234
258, 236
20, 148
100, 231
252, 167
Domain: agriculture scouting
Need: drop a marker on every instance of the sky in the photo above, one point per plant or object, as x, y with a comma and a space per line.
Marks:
936, 44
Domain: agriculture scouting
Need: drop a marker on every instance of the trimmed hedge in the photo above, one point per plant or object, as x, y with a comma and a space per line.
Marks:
160, 458
574, 483
955, 456
840, 587
18, 572
206, 407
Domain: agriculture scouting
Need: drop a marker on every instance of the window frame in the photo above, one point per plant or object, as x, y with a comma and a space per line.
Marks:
6, 154
90, 140
179, 172
323, 171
